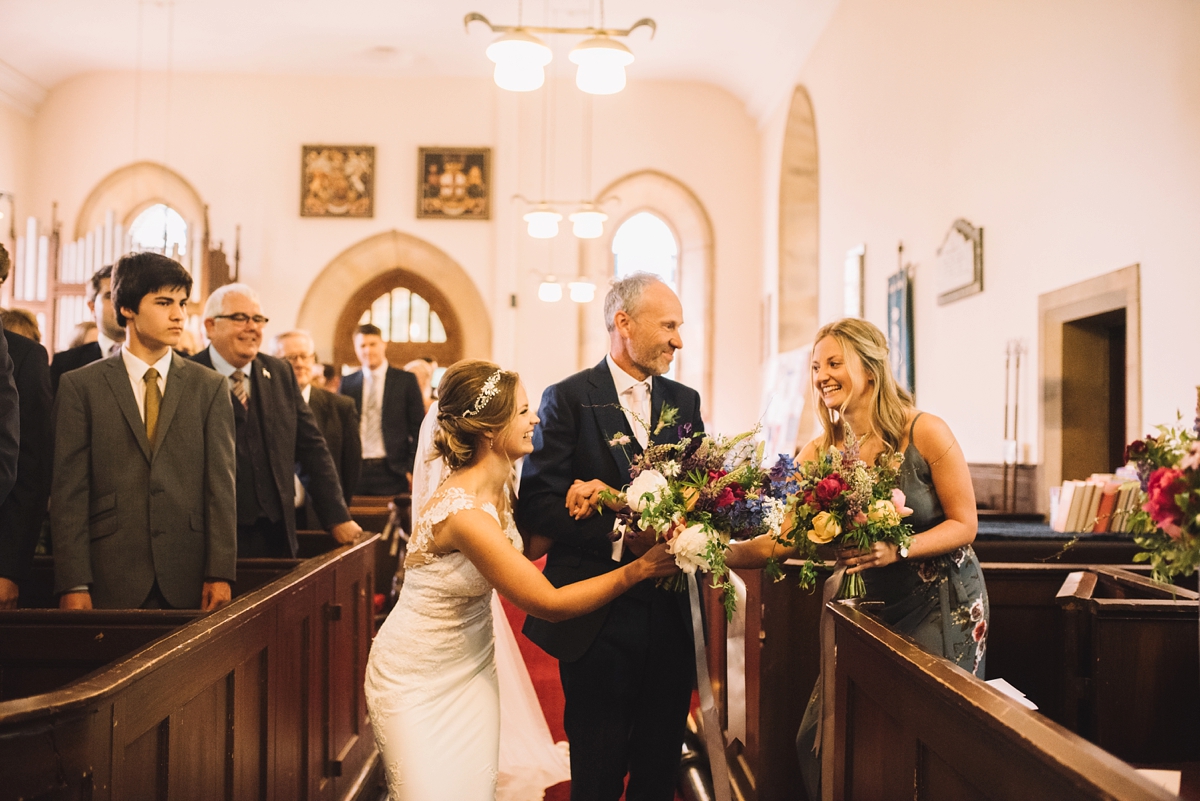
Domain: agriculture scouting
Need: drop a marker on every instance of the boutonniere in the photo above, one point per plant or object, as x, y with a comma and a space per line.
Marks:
266, 373
667, 418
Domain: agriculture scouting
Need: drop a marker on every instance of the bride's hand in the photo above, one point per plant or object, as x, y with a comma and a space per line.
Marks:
583, 498
658, 562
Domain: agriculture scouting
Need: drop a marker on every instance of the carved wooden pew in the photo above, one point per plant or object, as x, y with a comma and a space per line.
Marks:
262, 699
910, 725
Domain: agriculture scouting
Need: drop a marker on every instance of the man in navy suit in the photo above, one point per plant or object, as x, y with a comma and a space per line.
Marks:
390, 411
627, 669
275, 432
109, 334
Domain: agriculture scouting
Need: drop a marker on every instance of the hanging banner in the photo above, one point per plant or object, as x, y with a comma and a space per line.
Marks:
899, 333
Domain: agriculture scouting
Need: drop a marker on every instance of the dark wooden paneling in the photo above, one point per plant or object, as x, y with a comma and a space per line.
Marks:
223, 707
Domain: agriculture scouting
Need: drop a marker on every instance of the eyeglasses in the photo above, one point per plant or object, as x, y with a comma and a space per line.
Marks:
242, 319
301, 357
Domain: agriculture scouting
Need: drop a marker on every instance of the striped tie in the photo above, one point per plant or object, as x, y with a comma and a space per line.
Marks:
239, 387
153, 402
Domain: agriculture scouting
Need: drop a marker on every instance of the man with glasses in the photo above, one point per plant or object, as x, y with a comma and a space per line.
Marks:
336, 417
276, 431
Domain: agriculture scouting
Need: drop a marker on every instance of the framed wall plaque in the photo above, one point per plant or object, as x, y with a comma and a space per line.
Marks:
337, 181
960, 263
454, 183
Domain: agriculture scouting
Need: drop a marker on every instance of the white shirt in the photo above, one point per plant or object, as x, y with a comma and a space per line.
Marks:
226, 369
371, 425
624, 383
137, 376
106, 344
306, 392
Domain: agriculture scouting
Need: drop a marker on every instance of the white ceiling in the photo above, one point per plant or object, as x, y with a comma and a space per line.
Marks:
752, 48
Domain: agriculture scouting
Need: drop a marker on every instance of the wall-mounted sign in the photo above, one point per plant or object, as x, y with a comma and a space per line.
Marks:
960, 262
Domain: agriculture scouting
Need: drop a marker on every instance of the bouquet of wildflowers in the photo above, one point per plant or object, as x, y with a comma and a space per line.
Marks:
840, 499
699, 493
1167, 522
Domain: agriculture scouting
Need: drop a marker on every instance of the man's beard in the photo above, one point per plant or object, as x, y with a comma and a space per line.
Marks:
652, 361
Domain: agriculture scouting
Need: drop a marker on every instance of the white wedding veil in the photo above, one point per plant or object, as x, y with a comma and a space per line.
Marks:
530, 760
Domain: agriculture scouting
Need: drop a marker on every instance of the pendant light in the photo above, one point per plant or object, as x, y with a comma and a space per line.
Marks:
520, 60
582, 291
550, 290
602, 62
543, 222
588, 222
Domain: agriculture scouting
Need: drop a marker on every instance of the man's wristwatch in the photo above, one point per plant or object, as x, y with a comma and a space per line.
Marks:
902, 552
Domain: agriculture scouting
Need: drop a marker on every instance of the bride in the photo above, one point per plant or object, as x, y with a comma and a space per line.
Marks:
431, 684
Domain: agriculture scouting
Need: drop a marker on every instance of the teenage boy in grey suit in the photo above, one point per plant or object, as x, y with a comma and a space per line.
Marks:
142, 511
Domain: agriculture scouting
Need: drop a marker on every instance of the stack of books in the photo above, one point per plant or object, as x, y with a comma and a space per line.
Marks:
1100, 505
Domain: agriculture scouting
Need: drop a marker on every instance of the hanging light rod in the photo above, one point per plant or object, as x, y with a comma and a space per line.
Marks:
644, 22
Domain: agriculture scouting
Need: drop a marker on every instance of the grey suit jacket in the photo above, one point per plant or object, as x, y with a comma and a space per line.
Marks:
122, 514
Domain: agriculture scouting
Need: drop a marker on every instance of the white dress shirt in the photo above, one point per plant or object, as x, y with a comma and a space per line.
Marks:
137, 376
371, 424
306, 392
625, 384
106, 344
226, 369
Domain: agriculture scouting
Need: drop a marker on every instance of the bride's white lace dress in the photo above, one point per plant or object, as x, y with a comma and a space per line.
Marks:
431, 678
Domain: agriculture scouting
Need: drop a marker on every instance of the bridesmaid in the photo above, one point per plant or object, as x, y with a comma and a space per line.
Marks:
933, 591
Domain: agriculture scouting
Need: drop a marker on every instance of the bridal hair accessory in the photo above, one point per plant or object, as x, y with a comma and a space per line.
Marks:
490, 389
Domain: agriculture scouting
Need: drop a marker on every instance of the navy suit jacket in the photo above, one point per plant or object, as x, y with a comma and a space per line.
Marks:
292, 438
403, 411
580, 417
73, 359
22, 513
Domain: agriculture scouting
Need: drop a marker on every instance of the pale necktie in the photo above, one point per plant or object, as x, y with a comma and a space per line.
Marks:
153, 402
114, 349
372, 428
638, 396
238, 382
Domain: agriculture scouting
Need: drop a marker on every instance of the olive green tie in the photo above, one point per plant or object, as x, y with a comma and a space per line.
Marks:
153, 402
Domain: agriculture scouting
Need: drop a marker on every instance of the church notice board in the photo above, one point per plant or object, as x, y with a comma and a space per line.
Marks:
960, 263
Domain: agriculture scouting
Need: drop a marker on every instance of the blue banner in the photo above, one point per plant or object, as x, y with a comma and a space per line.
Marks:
899, 331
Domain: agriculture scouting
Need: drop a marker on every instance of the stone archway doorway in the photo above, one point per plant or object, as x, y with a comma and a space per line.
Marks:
418, 321
365, 271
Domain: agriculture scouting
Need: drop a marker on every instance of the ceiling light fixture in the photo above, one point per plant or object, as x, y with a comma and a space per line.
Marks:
520, 57
582, 291
543, 222
550, 290
588, 222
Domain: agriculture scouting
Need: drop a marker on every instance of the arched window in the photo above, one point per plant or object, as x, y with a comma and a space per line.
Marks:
644, 243
161, 229
404, 316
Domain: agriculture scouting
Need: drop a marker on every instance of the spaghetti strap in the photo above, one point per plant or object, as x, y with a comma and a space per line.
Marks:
912, 429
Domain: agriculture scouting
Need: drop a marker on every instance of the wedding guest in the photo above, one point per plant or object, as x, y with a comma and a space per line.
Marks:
390, 413
933, 590
22, 513
85, 332
628, 668
109, 335
276, 431
21, 321
423, 369
157, 531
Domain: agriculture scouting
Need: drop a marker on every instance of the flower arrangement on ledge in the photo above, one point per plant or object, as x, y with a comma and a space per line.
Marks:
1166, 524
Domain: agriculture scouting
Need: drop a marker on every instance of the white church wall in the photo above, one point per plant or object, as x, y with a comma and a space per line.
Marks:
1067, 130
15, 144
237, 139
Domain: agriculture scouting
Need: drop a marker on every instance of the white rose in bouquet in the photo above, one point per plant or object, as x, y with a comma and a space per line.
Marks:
649, 483
688, 547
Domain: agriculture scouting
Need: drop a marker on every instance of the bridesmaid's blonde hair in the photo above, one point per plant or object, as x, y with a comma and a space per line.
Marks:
890, 404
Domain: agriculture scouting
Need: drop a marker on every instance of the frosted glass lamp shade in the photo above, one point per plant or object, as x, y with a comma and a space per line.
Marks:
550, 290
582, 291
519, 59
588, 223
602, 63
543, 223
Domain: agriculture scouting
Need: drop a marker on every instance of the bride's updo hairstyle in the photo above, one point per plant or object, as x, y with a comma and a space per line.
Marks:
889, 403
475, 398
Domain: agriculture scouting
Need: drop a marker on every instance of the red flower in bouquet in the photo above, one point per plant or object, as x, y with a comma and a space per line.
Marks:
828, 490
730, 495
1165, 484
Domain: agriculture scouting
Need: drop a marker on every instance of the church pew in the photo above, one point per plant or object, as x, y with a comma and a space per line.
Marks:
782, 661
910, 725
391, 518
261, 699
1131, 665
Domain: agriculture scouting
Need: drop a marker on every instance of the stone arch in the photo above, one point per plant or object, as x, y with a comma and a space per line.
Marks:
365, 262
135, 187
799, 255
678, 206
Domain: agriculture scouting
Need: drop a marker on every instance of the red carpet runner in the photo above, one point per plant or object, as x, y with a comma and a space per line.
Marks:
543, 671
